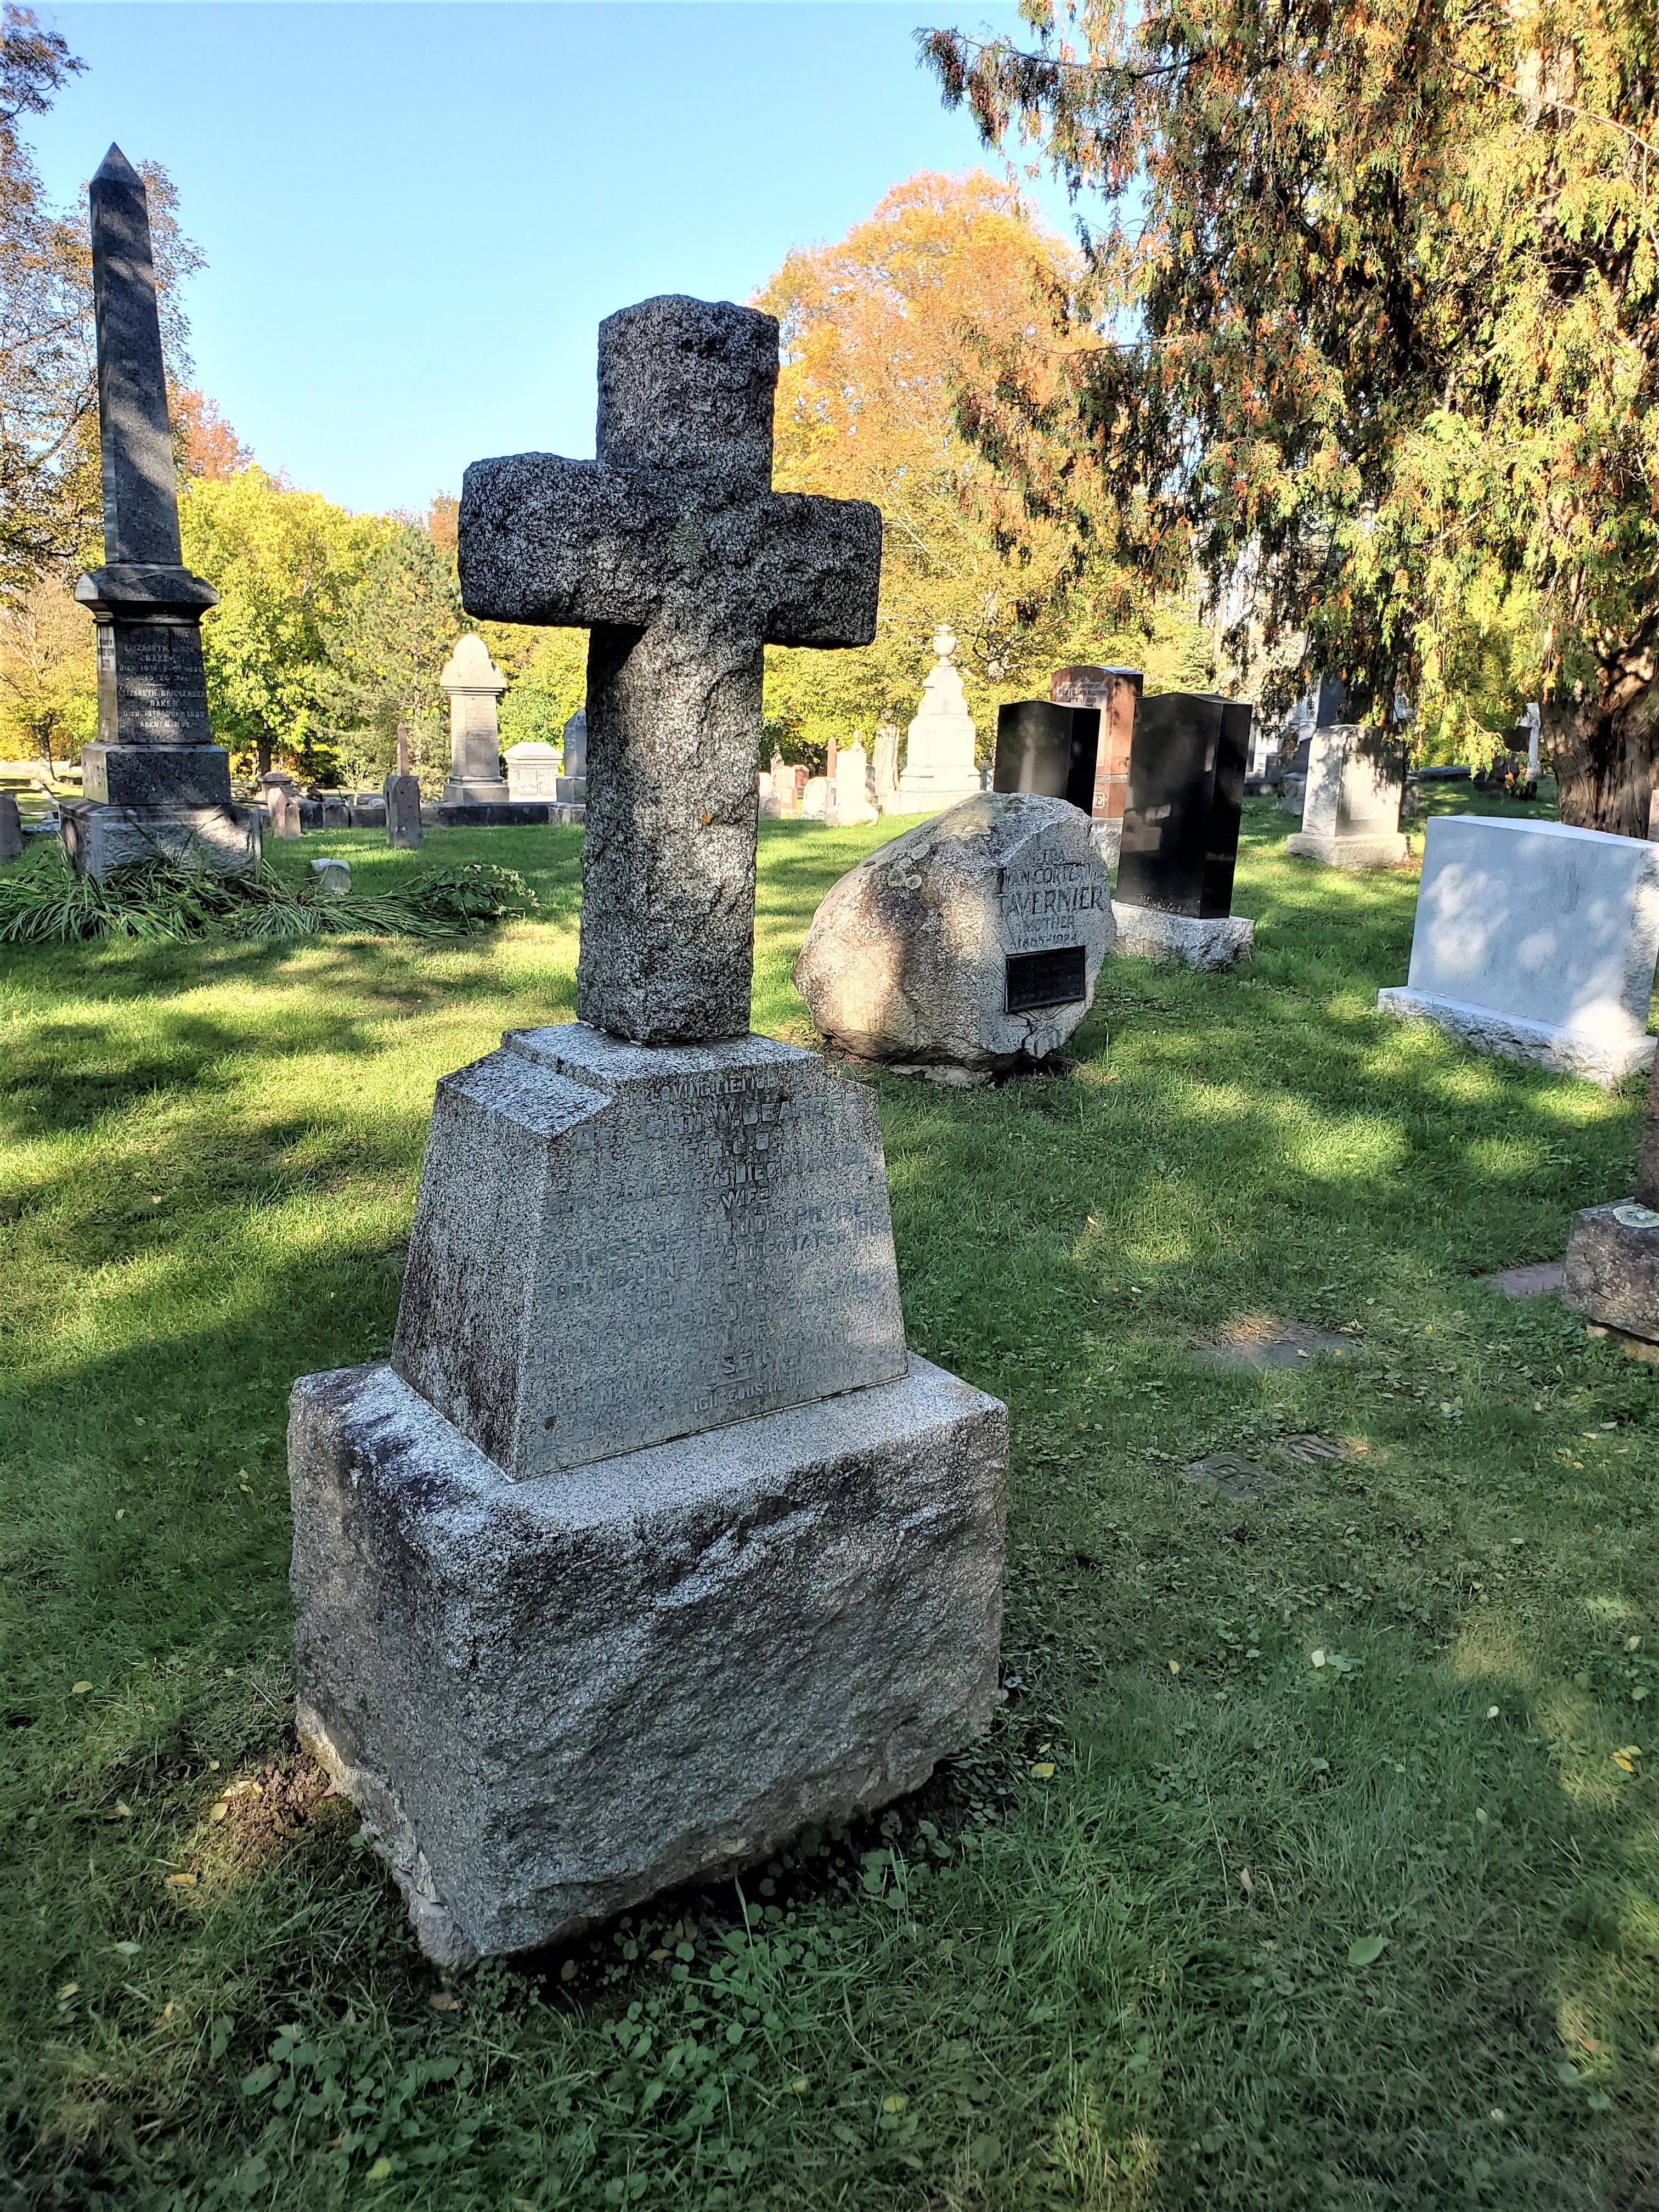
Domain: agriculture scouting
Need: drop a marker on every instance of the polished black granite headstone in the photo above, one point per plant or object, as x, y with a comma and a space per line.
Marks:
1048, 749
1185, 796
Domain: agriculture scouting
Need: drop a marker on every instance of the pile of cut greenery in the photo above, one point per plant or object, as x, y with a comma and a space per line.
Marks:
44, 903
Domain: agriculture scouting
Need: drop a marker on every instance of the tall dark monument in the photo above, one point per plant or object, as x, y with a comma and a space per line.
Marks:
1185, 796
1174, 893
1048, 749
156, 785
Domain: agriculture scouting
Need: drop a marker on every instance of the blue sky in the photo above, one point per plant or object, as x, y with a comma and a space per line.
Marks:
414, 215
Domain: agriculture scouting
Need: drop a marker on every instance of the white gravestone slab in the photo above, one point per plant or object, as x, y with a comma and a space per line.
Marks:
853, 801
939, 767
1537, 941
532, 770
1351, 803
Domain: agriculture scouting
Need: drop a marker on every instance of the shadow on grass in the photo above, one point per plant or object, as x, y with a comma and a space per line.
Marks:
1117, 1972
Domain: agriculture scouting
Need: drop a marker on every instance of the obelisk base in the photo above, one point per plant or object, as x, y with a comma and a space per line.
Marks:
98, 838
553, 1698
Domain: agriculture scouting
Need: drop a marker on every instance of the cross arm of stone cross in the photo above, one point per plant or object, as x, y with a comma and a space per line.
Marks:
674, 550
575, 544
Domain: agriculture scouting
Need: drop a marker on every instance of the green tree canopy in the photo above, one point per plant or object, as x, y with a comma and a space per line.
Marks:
397, 625
1375, 295
286, 565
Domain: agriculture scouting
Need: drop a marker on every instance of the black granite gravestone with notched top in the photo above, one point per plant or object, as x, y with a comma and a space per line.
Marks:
1048, 749
1186, 797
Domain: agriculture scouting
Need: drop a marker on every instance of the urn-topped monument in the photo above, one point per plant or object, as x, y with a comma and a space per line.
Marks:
652, 1543
155, 784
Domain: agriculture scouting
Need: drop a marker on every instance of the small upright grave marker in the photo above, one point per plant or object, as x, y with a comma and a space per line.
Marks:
573, 778
11, 828
1351, 803
404, 830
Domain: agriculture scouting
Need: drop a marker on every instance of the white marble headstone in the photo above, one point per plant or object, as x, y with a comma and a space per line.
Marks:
1536, 940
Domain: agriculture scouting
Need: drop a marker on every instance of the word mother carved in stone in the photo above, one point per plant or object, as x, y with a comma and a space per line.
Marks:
674, 550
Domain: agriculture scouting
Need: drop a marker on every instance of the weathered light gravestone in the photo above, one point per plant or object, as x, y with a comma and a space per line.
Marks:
940, 768
650, 1543
474, 685
1350, 801
403, 829
572, 789
156, 786
969, 947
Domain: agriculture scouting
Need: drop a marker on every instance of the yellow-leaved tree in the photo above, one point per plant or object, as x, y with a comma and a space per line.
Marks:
885, 336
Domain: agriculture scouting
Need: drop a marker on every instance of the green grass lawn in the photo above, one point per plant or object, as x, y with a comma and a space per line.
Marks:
1125, 1954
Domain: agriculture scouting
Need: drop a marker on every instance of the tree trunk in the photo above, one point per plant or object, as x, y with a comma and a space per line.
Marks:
1603, 745
262, 750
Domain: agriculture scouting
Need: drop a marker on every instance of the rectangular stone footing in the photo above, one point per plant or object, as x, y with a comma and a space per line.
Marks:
1604, 1059
506, 814
552, 1699
1220, 942
1613, 1268
97, 839
1384, 852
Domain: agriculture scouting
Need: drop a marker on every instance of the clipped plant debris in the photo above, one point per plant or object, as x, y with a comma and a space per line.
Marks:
43, 902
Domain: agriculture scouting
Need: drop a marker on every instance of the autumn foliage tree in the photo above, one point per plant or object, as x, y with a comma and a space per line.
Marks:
1376, 333
882, 334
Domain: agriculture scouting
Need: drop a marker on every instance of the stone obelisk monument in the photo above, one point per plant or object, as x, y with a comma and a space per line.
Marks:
652, 1543
157, 786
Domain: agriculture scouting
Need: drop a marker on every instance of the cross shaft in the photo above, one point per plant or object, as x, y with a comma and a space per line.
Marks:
674, 551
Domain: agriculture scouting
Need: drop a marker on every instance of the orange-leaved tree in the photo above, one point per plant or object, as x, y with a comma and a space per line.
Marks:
887, 336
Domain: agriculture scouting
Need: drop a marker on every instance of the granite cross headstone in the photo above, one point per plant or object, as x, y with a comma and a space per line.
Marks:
674, 550
154, 782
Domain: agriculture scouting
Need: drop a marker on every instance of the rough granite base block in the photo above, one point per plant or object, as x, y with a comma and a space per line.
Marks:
1385, 852
553, 1698
1604, 1059
96, 839
1153, 935
1613, 1270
